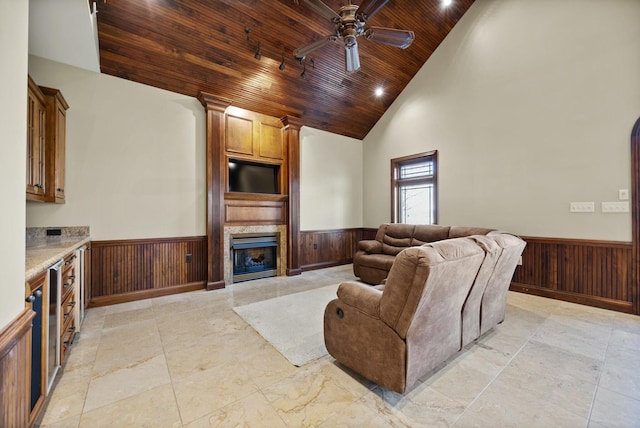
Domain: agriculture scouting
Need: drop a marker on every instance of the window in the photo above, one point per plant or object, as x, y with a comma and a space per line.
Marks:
414, 189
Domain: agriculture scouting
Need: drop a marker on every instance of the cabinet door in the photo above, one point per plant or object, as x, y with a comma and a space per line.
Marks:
36, 296
36, 155
56, 130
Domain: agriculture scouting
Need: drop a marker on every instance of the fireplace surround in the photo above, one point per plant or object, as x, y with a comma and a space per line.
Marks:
278, 234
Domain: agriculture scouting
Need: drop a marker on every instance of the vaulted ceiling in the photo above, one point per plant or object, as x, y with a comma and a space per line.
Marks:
188, 46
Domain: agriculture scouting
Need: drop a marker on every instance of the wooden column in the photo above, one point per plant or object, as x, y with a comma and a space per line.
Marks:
635, 217
292, 136
215, 108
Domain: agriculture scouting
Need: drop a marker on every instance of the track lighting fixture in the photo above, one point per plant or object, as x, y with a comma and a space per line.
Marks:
258, 54
261, 48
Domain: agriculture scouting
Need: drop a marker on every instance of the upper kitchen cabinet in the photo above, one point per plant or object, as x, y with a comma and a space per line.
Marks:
56, 131
36, 128
46, 141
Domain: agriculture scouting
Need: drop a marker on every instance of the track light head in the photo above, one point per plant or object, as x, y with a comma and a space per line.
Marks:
258, 54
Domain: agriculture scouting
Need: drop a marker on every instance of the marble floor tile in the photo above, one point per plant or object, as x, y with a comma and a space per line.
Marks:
125, 382
306, 399
614, 410
189, 360
251, 411
153, 408
422, 406
506, 405
573, 335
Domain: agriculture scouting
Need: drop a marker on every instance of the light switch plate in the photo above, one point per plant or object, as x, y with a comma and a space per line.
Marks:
623, 194
582, 207
615, 207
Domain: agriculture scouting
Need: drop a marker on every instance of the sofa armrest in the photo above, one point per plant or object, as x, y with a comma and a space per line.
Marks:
360, 296
370, 246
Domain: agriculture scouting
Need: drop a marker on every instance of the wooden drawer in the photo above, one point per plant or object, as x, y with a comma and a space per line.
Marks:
68, 276
68, 322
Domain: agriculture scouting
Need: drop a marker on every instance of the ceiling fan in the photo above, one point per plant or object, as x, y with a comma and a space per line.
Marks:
349, 23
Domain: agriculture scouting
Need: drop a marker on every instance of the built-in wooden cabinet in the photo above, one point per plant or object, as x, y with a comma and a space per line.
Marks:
36, 147
36, 298
55, 136
46, 142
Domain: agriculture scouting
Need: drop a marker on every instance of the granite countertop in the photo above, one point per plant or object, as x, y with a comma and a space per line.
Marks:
41, 253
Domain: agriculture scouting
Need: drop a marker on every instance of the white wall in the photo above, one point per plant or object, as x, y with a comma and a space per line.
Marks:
330, 180
135, 157
14, 30
530, 105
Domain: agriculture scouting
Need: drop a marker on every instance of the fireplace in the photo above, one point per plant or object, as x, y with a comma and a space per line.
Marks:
254, 256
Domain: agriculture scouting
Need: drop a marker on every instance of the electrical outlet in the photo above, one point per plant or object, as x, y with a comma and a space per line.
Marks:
582, 207
188, 258
520, 261
615, 207
54, 232
315, 246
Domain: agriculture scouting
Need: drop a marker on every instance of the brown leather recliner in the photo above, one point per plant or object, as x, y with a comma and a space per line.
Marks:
395, 336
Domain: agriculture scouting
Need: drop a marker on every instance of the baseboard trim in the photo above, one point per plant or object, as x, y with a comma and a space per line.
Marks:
323, 265
217, 285
582, 299
145, 294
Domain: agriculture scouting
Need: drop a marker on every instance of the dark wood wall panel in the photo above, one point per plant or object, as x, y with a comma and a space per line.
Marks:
323, 248
15, 371
131, 269
597, 273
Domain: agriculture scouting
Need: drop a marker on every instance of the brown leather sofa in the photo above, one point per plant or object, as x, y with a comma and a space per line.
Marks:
437, 298
374, 258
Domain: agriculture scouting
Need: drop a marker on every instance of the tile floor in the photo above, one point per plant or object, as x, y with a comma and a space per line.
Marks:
189, 361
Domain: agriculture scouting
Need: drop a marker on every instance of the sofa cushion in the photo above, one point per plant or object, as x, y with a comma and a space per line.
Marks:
461, 231
425, 233
378, 261
370, 246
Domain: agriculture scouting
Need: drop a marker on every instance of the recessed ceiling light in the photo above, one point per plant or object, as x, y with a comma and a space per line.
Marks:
446, 3
379, 92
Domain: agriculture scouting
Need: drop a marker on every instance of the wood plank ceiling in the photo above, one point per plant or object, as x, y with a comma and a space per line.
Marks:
188, 46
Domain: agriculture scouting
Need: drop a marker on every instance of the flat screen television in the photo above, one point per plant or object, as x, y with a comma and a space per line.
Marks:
248, 177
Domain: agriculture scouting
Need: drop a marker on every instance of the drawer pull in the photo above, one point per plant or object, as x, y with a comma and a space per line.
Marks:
69, 341
71, 277
66, 284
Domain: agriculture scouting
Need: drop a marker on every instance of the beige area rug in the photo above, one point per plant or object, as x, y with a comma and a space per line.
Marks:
293, 324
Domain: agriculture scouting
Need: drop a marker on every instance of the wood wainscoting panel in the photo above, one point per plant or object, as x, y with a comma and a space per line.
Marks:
324, 248
595, 273
126, 270
15, 371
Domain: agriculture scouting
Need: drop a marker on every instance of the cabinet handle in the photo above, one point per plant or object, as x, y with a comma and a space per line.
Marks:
30, 298
71, 277
39, 186
66, 284
70, 341
59, 189
38, 293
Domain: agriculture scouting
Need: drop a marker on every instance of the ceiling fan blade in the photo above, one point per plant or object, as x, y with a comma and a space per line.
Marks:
368, 8
352, 58
306, 50
390, 36
323, 10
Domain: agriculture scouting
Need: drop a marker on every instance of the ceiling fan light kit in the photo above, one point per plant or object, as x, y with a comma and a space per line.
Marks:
349, 23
